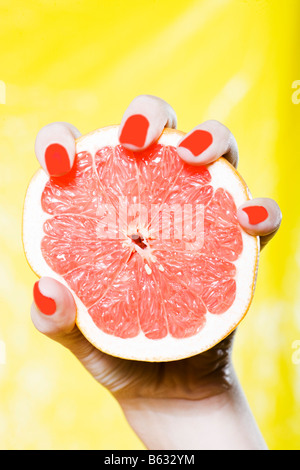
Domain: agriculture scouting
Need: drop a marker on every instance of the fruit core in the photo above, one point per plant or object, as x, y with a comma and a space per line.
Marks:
138, 240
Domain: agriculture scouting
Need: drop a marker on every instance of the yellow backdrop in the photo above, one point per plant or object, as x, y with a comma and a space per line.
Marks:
83, 61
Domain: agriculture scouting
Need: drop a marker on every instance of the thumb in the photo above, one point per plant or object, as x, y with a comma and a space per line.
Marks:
53, 313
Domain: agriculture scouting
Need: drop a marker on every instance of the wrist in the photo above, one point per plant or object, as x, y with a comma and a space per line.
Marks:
168, 423
216, 421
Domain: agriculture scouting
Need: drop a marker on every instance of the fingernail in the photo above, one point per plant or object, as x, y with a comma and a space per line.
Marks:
197, 142
57, 160
45, 304
135, 130
256, 214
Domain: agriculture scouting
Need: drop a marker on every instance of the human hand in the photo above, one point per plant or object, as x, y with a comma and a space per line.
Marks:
197, 378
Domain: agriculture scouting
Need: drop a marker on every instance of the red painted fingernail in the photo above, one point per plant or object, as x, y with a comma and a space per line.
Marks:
256, 214
45, 304
135, 130
197, 142
57, 160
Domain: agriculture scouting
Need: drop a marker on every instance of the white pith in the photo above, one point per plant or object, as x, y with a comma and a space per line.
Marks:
140, 347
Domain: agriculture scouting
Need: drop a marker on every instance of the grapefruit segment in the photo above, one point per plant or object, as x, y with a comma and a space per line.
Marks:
118, 315
152, 315
117, 173
149, 246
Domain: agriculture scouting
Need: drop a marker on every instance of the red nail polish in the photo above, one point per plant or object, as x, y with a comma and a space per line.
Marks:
135, 130
256, 214
57, 160
197, 142
45, 304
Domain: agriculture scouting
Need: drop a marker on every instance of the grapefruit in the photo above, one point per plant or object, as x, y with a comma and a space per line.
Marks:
149, 246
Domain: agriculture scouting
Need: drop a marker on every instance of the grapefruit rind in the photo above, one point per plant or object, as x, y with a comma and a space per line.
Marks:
141, 348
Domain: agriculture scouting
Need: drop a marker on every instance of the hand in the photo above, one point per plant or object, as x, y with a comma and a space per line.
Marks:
205, 376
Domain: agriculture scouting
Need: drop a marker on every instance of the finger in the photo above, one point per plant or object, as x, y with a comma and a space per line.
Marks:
144, 120
55, 147
260, 216
53, 313
206, 143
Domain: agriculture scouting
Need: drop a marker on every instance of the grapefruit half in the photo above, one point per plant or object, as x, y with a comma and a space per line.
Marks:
149, 246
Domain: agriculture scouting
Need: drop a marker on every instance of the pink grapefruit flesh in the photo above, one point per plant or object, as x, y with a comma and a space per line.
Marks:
152, 280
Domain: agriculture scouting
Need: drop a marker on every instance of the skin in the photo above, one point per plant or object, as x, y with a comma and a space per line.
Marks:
194, 403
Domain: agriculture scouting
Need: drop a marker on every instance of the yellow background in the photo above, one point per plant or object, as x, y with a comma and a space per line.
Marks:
83, 62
